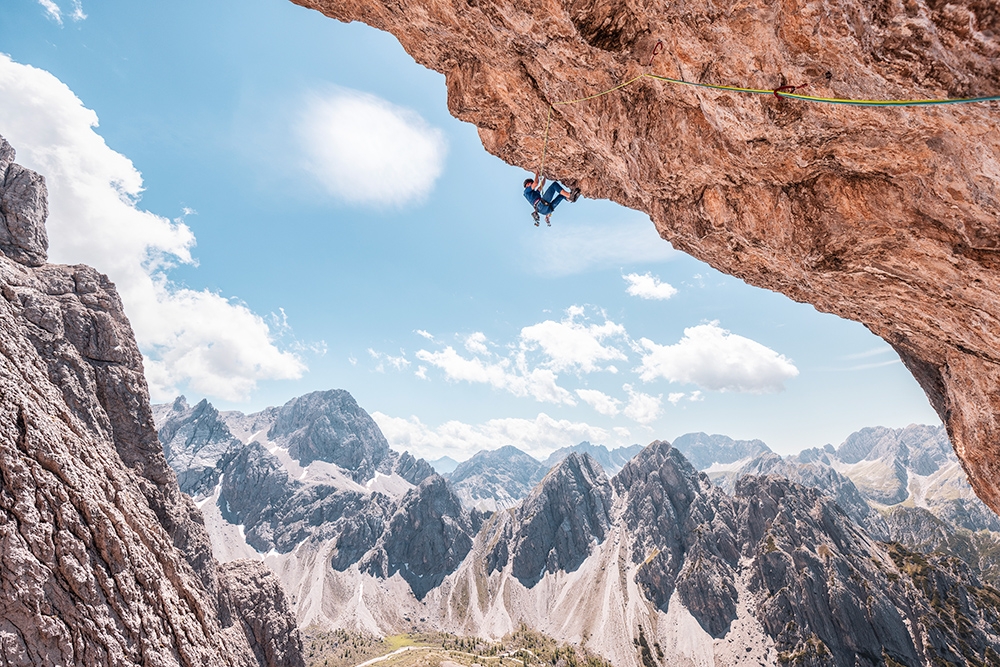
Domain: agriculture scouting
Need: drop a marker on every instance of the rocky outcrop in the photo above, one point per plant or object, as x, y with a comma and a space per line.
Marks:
496, 479
885, 216
23, 210
558, 524
330, 426
260, 605
197, 443
426, 538
105, 561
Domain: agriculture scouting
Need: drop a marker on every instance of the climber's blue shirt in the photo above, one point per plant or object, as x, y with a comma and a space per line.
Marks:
532, 195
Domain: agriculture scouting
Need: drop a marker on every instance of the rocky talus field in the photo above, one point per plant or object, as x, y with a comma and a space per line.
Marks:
104, 560
887, 216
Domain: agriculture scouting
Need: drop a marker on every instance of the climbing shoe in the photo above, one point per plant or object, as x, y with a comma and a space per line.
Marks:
574, 195
548, 220
534, 216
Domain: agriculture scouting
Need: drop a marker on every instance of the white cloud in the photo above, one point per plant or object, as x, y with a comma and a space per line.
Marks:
604, 404
648, 286
215, 345
676, 398
641, 407
52, 9
421, 372
571, 345
538, 437
398, 363
425, 334
511, 375
713, 358
476, 343
55, 13
364, 150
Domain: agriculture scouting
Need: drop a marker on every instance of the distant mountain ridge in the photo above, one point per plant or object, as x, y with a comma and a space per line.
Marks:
656, 553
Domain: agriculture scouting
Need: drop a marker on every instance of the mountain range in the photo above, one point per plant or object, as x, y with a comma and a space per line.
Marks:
756, 560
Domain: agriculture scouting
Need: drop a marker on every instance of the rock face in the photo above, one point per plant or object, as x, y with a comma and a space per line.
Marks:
426, 539
197, 443
890, 217
105, 561
554, 529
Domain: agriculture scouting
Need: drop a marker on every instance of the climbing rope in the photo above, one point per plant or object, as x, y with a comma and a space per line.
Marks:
781, 92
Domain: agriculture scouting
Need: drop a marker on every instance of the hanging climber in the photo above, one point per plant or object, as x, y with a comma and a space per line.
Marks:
545, 204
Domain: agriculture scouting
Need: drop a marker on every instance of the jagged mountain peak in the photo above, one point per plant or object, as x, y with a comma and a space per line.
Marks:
330, 426
425, 539
560, 521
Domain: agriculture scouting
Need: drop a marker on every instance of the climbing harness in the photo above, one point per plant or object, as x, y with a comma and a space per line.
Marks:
781, 92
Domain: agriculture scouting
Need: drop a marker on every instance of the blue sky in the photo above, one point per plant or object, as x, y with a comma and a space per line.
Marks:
286, 205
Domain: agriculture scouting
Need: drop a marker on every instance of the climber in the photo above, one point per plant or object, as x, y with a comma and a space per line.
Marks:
545, 204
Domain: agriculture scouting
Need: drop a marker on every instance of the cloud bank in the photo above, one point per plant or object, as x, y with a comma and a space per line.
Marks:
713, 358
201, 340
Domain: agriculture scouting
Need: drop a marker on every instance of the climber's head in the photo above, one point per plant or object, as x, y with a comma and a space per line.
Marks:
528, 181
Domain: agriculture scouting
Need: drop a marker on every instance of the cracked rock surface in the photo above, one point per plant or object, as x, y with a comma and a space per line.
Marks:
105, 561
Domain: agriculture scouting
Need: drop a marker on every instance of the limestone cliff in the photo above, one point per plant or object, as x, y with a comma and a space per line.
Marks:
887, 216
104, 560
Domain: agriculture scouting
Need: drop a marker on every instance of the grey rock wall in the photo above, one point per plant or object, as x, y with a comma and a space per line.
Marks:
105, 561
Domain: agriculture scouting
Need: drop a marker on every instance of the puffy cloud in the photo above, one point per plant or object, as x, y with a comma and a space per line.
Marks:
538, 437
571, 345
364, 150
713, 358
476, 343
213, 344
641, 407
513, 376
648, 286
604, 404
570, 249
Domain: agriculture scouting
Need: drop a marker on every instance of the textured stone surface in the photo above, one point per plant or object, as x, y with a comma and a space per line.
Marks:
558, 524
426, 538
105, 561
331, 426
890, 217
260, 604
23, 210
